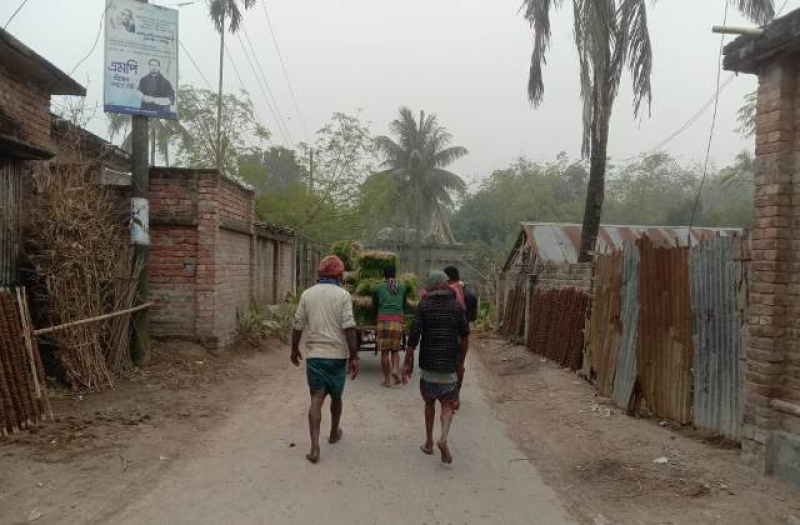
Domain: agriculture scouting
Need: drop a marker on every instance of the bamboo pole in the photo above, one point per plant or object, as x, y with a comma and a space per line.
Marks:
72, 324
26, 335
26, 315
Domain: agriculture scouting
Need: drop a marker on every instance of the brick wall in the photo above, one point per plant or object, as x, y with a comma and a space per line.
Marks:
265, 260
24, 109
173, 279
236, 202
772, 354
208, 258
234, 293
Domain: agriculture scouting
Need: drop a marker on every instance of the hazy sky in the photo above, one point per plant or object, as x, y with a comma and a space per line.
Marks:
466, 60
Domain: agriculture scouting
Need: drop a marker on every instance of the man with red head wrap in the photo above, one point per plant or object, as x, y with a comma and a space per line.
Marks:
325, 316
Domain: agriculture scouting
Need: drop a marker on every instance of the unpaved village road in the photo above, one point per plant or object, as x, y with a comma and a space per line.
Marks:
252, 469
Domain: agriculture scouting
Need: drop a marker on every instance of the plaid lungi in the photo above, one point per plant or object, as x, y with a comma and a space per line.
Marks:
390, 336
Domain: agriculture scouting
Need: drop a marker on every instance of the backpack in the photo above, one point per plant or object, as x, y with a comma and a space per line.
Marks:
471, 301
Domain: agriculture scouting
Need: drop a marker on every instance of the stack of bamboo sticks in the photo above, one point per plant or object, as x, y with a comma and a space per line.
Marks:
24, 399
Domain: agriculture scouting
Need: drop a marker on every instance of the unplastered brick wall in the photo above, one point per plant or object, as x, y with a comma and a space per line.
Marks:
563, 275
236, 202
265, 262
24, 110
234, 293
204, 262
772, 357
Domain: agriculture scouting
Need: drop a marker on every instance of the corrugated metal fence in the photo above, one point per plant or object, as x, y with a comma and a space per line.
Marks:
602, 350
9, 221
719, 286
666, 327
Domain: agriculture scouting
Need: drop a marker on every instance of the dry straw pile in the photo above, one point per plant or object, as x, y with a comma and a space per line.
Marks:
82, 266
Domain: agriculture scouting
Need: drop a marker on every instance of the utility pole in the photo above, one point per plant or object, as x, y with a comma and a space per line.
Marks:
311, 171
140, 232
219, 102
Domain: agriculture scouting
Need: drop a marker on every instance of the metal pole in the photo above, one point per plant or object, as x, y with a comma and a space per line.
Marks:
731, 30
140, 232
311, 171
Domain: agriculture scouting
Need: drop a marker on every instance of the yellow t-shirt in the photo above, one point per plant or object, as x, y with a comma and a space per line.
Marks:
324, 313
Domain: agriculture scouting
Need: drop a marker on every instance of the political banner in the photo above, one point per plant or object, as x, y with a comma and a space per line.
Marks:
141, 59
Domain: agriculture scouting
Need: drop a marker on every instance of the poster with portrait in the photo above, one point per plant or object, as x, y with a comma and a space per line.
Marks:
141, 59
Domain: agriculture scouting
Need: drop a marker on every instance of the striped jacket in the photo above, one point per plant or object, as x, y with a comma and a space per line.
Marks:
439, 323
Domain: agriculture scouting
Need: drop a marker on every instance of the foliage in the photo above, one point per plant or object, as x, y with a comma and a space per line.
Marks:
220, 10
416, 159
275, 168
340, 203
651, 190
197, 108
164, 134
611, 36
342, 158
746, 116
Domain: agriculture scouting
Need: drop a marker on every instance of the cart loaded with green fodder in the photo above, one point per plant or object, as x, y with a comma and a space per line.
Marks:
364, 272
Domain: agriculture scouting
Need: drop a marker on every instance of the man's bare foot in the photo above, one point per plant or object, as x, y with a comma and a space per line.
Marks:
427, 448
397, 379
313, 456
387, 383
336, 437
447, 457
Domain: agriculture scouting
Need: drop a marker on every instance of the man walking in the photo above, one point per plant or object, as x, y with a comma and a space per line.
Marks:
389, 300
440, 328
325, 315
455, 284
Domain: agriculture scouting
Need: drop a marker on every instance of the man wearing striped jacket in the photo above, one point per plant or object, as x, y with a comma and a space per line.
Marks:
440, 328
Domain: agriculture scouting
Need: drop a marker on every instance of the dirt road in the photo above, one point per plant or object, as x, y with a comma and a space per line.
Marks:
196, 438
252, 470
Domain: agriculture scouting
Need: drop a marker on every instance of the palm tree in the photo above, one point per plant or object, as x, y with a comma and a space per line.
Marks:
417, 160
610, 36
220, 10
162, 133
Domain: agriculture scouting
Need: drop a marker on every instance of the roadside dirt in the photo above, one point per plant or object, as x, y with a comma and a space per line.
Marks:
613, 469
106, 446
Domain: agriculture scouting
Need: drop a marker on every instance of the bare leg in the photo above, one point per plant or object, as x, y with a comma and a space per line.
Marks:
336, 417
396, 368
314, 421
447, 418
457, 403
386, 367
430, 416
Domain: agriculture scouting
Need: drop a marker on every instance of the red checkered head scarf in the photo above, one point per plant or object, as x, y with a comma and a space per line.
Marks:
331, 266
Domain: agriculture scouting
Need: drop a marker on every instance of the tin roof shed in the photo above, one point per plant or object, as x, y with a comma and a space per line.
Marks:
560, 242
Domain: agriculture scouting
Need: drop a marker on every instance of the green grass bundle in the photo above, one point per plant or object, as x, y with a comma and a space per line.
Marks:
411, 281
365, 286
363, 311
347, 251
371, 263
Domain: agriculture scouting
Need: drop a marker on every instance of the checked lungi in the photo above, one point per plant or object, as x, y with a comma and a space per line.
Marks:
390, 335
